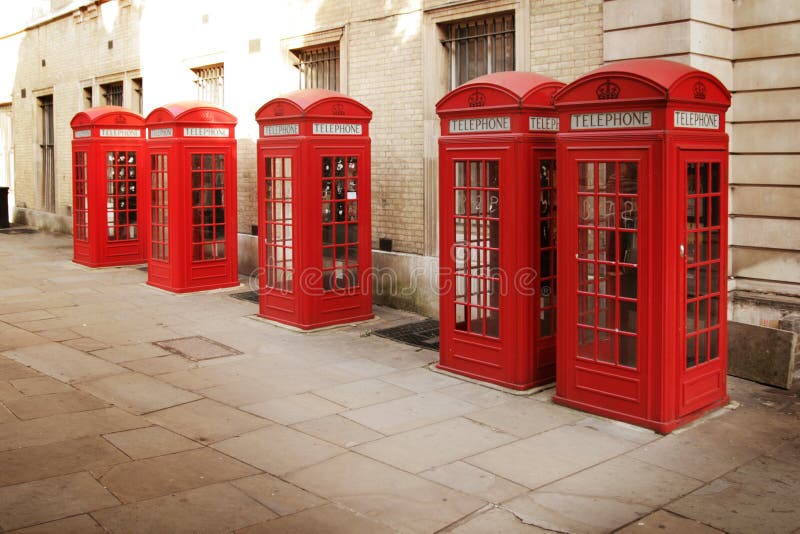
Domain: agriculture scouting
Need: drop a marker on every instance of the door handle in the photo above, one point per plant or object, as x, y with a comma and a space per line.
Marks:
683, 251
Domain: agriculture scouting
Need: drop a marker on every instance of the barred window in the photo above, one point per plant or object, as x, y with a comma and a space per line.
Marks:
318, 66
112, 93
210, 83
479, 46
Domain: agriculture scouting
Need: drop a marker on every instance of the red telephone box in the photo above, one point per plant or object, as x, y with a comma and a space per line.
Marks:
107, 147
191, 150
642, 264
315, 245
497, 229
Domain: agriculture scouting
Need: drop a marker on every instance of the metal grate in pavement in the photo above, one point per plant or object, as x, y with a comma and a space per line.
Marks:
423, 334
13, 230
249, 296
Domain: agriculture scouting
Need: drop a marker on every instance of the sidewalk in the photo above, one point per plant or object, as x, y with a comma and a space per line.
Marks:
124, 408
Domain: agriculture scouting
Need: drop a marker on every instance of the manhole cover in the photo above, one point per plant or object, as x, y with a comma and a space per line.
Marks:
249, 296
423, 334
197, 348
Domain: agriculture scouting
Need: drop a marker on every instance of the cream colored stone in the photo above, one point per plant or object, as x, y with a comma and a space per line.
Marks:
767, 233
765, 12
767, 73
767, 41
765, 137
650, 41
769, 201
766, 105
761, 169
777, 265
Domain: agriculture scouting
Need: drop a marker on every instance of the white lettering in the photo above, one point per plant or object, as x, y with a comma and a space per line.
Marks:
611, 119
480, 124
696, 119
206, 132
160, 132
542, 124
118, 132
281, 129
82, 133
327, 128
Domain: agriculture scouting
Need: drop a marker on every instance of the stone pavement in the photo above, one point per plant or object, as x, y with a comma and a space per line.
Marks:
127, 409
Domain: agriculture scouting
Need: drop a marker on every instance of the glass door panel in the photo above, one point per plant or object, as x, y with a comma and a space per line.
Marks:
340, 237
278, 223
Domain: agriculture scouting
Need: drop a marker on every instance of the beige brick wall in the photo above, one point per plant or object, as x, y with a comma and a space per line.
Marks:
566, 37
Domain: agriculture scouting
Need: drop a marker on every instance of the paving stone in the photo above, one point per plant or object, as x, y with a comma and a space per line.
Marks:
64, 363
338, 430
159, 365
563, 451
363, 368
126, 353
21, 317
40, 501
64, 427
38, 406
279, 496
602, 498
11, 370
85, 344
789, 452
433, 445
58, 334
40, 385
207, 421
482, 396
330, 519
692, 454
408, 413
294, 409
78, 524
525, 417
363, 393
474, 481
243, 392
8, 392
137, 393
760, 496
154, 477
420, 380
12, 337
402, 501
662, 521
211, 509
619, 429
278, 450
6, 416
495, 520
44, 461
197, 347
149, 442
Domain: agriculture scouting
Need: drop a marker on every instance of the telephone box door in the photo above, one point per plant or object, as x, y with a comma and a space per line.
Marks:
545, 236
704, 187
603, 278
277, 170
475, 241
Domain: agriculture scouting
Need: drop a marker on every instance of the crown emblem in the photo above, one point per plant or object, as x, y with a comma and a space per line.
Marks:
120, 119
699, 90
279, 110
477, 100
338, 109
607, 91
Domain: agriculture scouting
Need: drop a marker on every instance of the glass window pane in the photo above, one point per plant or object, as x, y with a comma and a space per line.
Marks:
586, 177
627, 351
606, 178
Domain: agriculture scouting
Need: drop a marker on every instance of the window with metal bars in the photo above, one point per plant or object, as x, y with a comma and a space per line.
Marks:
112, 93
318, 66
479, 46
210, 83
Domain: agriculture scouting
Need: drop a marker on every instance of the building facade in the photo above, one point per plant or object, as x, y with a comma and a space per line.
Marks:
399, 57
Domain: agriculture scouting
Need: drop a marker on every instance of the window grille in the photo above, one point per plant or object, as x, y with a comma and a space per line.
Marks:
112, 93
210, 83
479, 46
318, 67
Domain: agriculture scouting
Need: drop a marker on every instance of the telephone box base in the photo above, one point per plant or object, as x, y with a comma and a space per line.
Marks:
95, 265
316, 326
193, 289
483, 378
662, 427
